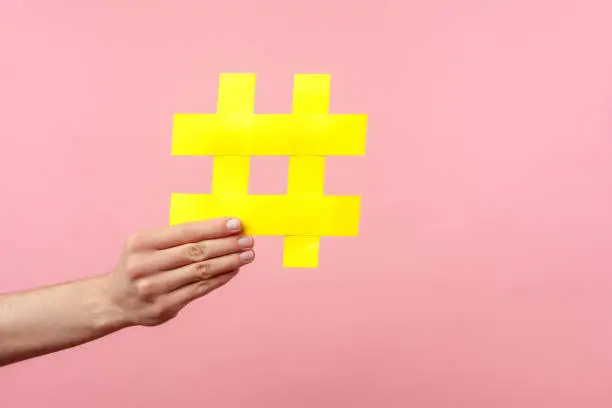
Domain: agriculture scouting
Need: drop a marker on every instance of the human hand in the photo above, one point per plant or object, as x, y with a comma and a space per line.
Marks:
163, 270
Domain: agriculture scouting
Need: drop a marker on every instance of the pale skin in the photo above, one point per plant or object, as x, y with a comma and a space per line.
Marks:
159, 273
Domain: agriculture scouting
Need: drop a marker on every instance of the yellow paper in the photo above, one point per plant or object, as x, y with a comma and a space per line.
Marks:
236, 93
273, 214
306, 173
306, 178
248, 134
307, 135
311, 93
301, 252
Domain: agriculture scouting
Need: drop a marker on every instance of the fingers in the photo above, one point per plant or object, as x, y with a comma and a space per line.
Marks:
196, 273
186, 254
182, 296
181, 234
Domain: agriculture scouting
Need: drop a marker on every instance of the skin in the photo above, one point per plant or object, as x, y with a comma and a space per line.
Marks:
159, 273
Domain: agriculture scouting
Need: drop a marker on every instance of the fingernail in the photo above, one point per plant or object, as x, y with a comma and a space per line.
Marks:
245, 242
247, 256
233, 224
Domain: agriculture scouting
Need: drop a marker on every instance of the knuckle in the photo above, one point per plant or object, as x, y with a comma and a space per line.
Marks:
157, 312
205, 249
203, 288
195, 252
133, 242
203, 270
132, 266
145, 289
182, 232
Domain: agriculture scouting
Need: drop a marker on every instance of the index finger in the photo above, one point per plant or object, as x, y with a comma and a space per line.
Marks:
169, 237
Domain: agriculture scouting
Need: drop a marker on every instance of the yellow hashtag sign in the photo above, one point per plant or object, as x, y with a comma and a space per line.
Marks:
306, 135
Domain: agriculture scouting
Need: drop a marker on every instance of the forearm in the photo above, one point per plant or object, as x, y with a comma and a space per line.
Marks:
53, 318
158, 274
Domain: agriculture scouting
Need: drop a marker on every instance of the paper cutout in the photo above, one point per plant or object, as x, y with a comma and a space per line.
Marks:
268, 135
273, 214
311, 94
236, 96
306, 174
236, 93
301, 252
308, 134
305, 179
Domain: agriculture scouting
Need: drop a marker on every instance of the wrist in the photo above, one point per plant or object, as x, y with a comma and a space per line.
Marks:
107, 316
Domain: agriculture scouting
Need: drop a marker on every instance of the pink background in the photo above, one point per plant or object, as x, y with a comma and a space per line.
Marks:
483, 273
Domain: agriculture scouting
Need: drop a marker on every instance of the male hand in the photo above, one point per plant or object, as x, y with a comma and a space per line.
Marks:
163, 270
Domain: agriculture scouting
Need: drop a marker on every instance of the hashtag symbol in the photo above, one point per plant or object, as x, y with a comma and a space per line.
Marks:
306, 135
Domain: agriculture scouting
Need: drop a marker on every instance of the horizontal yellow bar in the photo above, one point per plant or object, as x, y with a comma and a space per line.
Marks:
273, 214
248, 134
301, 252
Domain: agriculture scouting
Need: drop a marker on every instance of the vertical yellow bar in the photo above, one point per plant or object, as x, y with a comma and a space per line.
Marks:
311, 93
236, 94
301, 252
306, 173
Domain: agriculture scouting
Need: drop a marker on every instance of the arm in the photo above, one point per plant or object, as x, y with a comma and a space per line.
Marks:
53, 318
159, 273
